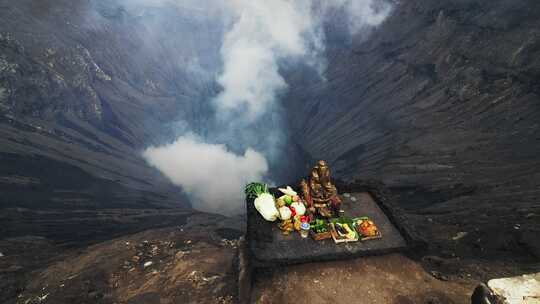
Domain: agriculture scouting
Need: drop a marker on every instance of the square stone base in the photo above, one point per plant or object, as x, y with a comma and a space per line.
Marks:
269, 247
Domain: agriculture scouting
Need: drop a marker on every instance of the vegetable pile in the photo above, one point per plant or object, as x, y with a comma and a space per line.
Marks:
366, 227
342, 230
289, 204
291, 209
319, 226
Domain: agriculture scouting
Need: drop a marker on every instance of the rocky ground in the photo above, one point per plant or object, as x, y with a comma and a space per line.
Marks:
195, 262
33, 239
388, 279
198, 262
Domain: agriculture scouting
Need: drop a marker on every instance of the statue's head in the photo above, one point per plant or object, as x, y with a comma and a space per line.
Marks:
314, 174
323, 168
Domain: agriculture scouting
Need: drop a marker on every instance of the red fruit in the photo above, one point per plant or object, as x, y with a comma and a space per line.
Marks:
293, 211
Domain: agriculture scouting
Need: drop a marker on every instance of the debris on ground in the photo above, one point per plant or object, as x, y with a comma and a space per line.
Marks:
148, 264
459, 235
152, 266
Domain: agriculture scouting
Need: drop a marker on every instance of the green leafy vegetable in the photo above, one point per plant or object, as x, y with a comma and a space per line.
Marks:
319, 226
253, 190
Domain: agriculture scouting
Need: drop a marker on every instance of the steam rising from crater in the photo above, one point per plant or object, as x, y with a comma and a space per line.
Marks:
209, 172
265, 32
361, 14
246, 129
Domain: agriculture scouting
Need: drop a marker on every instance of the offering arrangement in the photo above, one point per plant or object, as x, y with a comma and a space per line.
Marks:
315, 210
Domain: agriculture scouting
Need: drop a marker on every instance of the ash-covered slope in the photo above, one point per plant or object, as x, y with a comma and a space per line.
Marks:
442, 104
433, 81
84, 87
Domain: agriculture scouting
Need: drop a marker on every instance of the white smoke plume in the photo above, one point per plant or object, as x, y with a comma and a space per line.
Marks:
209, 172
262, 35
362, 14
265, 33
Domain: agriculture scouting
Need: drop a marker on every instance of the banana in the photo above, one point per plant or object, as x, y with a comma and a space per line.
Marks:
350, 233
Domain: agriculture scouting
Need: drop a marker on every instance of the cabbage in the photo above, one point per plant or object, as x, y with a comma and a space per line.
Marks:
285, 213
264, 203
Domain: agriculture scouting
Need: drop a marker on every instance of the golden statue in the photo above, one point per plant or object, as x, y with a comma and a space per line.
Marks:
320, 194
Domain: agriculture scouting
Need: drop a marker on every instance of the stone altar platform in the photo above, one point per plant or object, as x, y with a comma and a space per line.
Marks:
267, 246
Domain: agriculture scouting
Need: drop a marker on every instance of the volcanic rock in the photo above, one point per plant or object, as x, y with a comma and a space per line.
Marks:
530, 239
205, 274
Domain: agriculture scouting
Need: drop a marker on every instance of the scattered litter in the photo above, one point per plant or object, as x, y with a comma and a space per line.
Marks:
517, 226
188, 242
530, 215
200, 280
147, 264
38, 299
62, 285
460, 235
316, 281
1, 255
231, 243
346, 194
180, 254
439, 276
210, 279
353, 198
155, 250
127, 243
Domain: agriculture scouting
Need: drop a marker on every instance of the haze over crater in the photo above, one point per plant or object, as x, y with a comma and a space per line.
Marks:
248, 115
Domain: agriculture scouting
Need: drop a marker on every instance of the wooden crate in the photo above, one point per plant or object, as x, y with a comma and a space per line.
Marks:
336, 237
367, 238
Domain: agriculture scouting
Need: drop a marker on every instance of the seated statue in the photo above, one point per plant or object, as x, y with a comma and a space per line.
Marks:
320, 194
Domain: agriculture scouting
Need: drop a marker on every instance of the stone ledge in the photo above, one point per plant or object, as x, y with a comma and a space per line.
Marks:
267, 246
